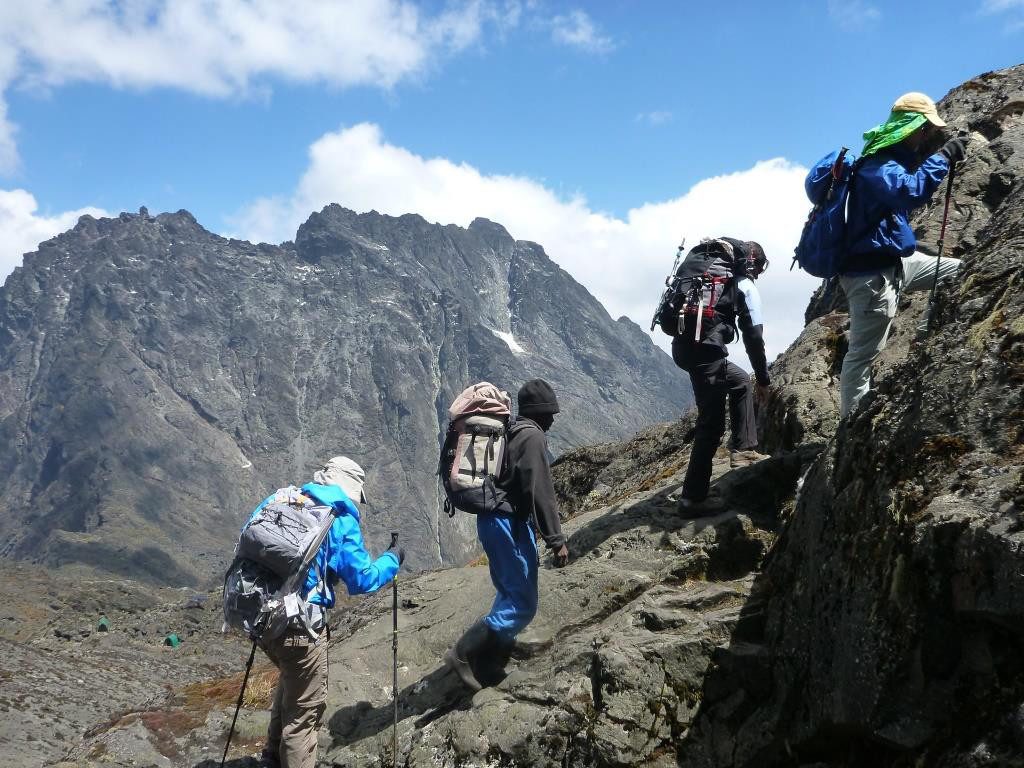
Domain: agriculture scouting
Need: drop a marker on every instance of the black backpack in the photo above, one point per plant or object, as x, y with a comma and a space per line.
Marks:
700, 295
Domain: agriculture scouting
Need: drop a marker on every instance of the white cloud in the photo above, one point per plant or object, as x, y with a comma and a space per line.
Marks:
657, 117
623, 261
22, 229
853, 14
577, 30
1014, 9
224, 48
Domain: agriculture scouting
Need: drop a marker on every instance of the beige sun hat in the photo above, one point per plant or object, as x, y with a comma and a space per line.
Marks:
346, 474
918, 102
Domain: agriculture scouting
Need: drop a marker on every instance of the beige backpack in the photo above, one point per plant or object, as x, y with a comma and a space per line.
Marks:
473, 451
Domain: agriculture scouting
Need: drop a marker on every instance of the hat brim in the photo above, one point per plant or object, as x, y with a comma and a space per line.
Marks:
934, 119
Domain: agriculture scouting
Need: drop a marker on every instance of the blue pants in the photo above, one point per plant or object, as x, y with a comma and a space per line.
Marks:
512, 556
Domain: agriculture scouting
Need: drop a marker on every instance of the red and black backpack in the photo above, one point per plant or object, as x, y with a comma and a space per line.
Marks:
701, 295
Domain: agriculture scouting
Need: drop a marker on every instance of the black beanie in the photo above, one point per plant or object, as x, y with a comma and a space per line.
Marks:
536, 397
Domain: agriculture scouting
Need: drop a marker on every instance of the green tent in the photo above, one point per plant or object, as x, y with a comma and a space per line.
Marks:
172, 640
103, 625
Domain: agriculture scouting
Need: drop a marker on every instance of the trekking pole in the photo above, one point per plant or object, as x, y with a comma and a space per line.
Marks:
241, 694
394, 654
942, 245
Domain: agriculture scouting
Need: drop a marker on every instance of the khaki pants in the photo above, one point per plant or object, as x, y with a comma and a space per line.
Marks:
872, 299
299, 701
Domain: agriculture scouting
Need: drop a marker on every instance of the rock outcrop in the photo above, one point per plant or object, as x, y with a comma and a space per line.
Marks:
156, 379
895, 621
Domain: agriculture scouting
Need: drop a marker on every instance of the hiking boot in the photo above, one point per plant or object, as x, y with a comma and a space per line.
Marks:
461, 657
489, 665
745, 458
709, 505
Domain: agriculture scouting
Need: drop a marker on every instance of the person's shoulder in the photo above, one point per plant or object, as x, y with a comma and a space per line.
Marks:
525, 433
882, 161
345, 525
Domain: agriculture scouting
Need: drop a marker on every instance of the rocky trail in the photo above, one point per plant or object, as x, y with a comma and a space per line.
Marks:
647, 601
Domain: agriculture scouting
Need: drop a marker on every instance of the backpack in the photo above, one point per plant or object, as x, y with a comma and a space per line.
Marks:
823, 241
262, 586
699, 296
473, 450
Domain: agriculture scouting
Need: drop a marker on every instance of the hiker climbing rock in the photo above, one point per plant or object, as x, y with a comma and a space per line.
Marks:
281, 526
897, 173
710, 293
507, 536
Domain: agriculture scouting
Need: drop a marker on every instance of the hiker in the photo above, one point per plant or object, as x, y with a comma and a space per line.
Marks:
715, 380
301, 695
507, 536
897, 173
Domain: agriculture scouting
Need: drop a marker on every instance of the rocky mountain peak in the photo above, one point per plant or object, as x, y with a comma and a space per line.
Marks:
157, 379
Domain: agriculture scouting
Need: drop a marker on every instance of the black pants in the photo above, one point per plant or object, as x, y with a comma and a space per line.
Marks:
715, 381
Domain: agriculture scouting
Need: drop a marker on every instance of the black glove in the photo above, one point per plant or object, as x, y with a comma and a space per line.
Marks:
954, 150
397, 552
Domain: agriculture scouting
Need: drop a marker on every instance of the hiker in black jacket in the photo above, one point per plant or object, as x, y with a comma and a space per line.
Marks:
508, 539
715, 380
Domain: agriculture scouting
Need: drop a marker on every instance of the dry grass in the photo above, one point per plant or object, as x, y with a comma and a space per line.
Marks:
260, 690
224, 691
945, 446
978, 337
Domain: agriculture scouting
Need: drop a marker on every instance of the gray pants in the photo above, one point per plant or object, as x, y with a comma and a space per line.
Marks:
872, 300
299, 701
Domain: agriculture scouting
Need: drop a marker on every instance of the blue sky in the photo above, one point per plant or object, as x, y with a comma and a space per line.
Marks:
604, 130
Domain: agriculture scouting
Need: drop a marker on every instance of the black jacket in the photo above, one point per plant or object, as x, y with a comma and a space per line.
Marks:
527, 481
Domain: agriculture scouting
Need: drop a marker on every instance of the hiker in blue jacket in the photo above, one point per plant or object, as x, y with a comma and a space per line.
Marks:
301, 695
897, 174
508, 539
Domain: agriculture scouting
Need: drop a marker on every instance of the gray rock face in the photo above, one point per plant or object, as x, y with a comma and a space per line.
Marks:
156, 379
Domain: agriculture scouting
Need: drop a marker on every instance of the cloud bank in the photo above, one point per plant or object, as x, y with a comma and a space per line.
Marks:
621, 260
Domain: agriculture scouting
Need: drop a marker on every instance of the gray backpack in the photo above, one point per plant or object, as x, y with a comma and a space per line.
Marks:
277, 545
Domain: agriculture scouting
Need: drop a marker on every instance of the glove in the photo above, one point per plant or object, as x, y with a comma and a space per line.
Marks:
954, 150
397, 552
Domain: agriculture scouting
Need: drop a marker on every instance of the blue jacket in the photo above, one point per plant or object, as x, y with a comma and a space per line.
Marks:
881, 197
342, 555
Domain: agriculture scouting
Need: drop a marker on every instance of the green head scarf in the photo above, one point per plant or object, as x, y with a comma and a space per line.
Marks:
893, 131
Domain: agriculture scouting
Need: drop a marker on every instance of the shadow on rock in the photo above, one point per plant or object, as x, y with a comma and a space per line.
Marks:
238, 762
758, 491
428, 699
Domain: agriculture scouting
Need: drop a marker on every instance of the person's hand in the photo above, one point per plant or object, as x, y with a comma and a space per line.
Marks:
954, 150
397, 552
762, 392
562, 557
